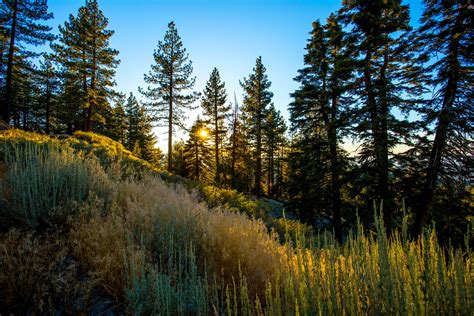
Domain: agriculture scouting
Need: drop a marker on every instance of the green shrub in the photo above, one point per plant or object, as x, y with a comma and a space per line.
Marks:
43, 180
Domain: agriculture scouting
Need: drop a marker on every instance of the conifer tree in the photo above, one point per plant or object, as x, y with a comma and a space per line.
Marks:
83, 50
179, 159
21, 24
49, 83
389, 81
273, 138
318, 110
117, 125
257, 97
140, 138
215, 109
169, 80
198, 153
445, 37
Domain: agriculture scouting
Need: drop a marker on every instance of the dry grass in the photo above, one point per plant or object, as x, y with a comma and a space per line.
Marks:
37, 275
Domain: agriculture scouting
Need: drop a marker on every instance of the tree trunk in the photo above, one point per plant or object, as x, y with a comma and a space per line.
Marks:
86, 92
382, 184
439, 143
48, 108
258, 169
335, 183
234, 144
196, 164
217, 177
8, 106
383, 166
170, 127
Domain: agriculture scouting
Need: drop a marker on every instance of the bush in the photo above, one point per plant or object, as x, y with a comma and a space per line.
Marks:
43, 180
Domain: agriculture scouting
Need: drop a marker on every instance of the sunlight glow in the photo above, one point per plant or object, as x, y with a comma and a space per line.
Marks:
203, 133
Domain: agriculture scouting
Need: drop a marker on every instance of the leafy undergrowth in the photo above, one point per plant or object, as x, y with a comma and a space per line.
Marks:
83, 233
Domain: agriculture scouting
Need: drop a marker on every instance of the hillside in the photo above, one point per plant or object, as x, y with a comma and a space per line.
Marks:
86, 227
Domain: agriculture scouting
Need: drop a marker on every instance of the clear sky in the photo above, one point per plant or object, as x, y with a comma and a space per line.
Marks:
227, 34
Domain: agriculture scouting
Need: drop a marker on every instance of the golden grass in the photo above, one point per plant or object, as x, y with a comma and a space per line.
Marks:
37, 274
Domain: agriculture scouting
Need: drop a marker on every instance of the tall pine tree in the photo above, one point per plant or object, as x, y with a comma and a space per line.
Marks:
215, 110
169, 80
273, 139
389, 82
257, 98
446, 37
21, 24
140, 138
84, 53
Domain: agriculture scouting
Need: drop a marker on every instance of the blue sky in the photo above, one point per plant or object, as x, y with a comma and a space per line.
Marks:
226, 34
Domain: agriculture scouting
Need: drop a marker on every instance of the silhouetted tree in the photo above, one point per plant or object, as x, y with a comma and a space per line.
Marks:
169, 79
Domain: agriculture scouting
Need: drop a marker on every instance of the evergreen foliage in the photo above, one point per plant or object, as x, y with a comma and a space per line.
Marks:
198, 153
257, 98
21, 25
216, 111
169, 82
88, 63
445, 37
139, 138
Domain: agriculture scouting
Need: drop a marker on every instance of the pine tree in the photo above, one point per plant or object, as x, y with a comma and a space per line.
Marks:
446, 36
70, 100
21, 24
179, 159
215, 109
273, 139
117, 125
83, 50
198, 153
140, 138
47, 79
169, 79
389, 81
318, 110
257, 97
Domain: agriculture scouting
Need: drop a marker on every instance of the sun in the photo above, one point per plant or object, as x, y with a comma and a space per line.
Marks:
203, 133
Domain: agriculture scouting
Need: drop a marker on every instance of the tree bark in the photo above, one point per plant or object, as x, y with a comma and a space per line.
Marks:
8, 106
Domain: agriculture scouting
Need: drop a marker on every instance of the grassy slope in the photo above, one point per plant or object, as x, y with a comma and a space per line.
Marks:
86, 226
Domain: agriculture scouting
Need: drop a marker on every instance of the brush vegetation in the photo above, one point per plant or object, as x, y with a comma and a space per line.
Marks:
88, 228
